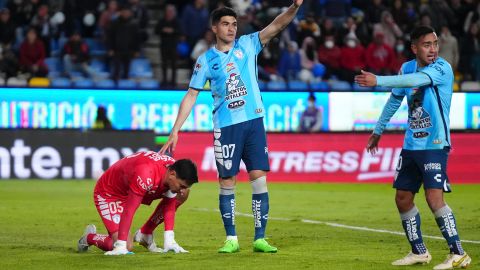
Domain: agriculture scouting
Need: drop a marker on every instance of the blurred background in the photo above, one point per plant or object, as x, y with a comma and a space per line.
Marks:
84, 83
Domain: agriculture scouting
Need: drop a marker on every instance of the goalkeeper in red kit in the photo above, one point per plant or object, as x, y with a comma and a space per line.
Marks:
139, 179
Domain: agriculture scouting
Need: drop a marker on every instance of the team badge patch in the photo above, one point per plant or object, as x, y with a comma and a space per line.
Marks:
228, 164
238, 54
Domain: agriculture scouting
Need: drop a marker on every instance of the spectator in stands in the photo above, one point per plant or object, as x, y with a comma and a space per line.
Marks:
329, 54
400, 55
460, 10
8, 61
308, 58
194, 21
76, 56
449, 47
401, 16
203, 45
168, 29
32, 55
7, 27
312, 118
379, 56
308, 28
140, 15
23, 11
352, 58
336, 10
289, 65
329, 29
107, 16
390, 30
123, 43
101, 121
469, 53
374, 12
41, 22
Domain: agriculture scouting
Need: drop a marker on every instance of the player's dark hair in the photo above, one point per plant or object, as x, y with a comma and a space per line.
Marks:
419, 32
186, 170
218, 13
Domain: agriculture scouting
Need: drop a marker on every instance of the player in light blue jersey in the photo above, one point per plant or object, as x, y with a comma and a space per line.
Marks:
231, 68
427, 82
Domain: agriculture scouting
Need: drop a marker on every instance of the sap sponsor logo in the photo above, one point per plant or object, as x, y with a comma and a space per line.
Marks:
421, 134
236, 104
432, 166
365, 166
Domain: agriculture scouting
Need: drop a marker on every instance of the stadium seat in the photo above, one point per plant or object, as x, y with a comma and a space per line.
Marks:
83, 83
57, 46
39, 82
319, 86
262, 85
297, 86
95, 47
140, 68
470, 86
126, 84
105, 84
358, 88
277, 85
60, 83
100, 68
14, 81
53, 64
148, 84
340, 86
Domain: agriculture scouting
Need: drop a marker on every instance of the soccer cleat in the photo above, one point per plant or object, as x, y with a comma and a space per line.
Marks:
230, 246
261, 245
454, 261
413, 258
82, 245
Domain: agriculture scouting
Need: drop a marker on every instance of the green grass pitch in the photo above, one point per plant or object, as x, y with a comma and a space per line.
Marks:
41, 221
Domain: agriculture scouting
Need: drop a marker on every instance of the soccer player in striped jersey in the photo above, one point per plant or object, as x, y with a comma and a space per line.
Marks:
427, 82
134, 180
239, 134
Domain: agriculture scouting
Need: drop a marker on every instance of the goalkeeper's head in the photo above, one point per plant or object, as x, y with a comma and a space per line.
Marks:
224, 24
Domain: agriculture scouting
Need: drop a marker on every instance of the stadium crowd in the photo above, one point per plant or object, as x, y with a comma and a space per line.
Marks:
331, 40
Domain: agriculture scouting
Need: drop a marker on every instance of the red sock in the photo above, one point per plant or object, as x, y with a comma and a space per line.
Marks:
102, 241
156, 218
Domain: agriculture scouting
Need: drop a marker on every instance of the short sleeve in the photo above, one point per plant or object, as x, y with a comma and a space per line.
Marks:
252, 42
200, 73
143, 181
440, 72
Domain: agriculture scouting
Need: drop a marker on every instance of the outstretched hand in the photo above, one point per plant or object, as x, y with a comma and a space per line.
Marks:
372, 144
297, 2
366, 79
169, 146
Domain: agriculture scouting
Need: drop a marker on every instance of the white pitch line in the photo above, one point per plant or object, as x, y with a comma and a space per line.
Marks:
338, 225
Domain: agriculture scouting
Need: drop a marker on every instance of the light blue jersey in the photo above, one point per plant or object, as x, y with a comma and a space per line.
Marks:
428, 106
233, 81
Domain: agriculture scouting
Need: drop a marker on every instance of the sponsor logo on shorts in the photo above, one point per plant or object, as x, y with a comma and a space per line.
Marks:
432, 166
259, 110
236, 104
437, 141
116, 218
421, 134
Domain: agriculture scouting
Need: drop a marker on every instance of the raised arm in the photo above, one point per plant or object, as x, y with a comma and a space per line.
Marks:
280, 22
185, 108
397, 81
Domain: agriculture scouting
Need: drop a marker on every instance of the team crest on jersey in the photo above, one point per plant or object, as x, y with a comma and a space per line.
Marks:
228, 164
230, 67
235, 87
197, 68
238, 54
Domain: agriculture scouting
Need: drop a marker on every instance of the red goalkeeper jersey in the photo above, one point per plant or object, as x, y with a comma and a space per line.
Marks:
134, 180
